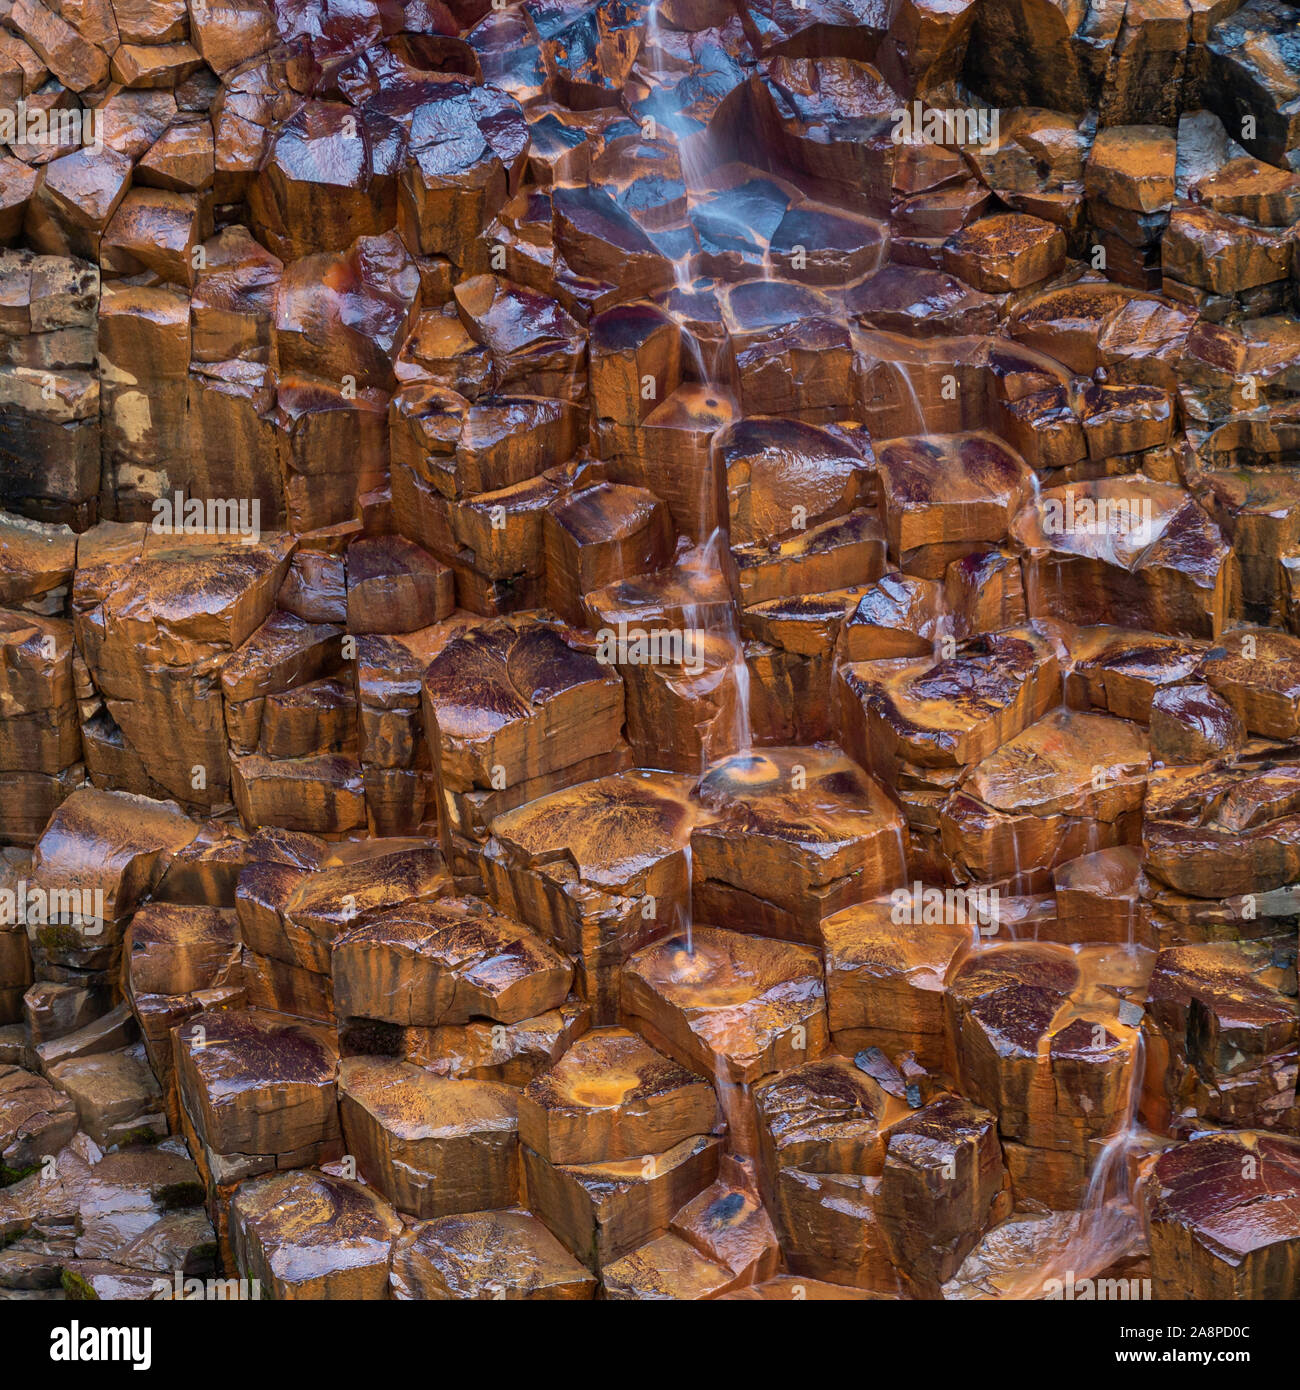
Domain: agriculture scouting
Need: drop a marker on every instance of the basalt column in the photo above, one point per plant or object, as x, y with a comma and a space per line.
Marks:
649, 649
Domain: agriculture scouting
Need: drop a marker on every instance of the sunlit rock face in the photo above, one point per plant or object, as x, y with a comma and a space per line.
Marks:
649, 649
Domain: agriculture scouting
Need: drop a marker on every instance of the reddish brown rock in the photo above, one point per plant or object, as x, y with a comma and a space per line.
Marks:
309, 1235
1231, 1244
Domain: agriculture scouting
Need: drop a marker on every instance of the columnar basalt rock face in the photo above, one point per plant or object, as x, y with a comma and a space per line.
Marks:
649, 651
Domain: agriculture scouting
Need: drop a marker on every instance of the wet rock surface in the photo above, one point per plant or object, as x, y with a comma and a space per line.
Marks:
649, 652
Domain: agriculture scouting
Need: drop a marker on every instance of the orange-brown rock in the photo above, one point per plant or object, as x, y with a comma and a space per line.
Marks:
177, 961
434, 1146
1007, 251
665, 1269
486, 1255
256, 1083
393, 586
1097, 897
942, 1177
295, 907
1255, 672
598, 870
449, 961
931, 714
199, 598
511, 702
600, 535
613, 1096
1067, 784
1121, 671
329, 176
310, 1235
1126, 551
1232, 1032
603, 1211
946, 496
795, 835
535, 347
730, 1227
1047, 1050
648, 651
36, 1119
887, 966
117, 1096
1193, 724
1221, 1210
1214, 832
479, 1050
735, 1006
100, 854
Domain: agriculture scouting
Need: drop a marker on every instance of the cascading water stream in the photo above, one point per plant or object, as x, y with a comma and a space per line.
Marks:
694, 170
1105, 1227
707, 558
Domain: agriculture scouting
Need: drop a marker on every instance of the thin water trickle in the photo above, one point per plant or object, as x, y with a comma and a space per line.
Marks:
688, 901
1107, 1226
1111, 1161
945, 630
694, 164
737, 1105
906, 377
706, 557
900, 834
